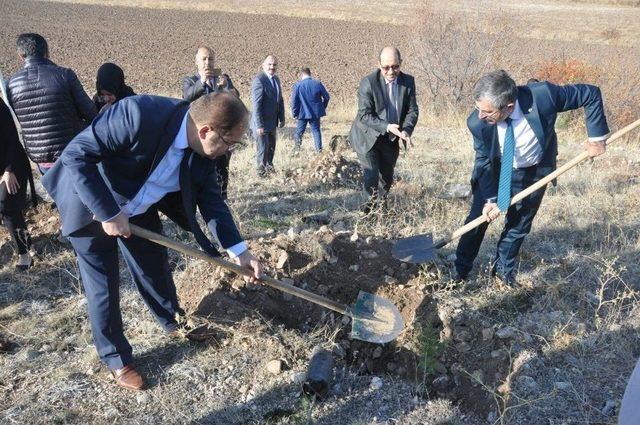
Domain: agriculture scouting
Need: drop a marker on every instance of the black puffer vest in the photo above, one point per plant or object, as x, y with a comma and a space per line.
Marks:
51, 105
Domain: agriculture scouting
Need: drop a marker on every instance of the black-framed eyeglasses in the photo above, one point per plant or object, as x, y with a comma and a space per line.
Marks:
232, 145
388, 67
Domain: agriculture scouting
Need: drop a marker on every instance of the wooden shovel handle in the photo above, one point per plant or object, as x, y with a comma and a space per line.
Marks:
201, 255
536, 186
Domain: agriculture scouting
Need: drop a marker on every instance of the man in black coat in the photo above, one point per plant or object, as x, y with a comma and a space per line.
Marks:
15, 173
209, 80
143, 155
49, 101
387, 113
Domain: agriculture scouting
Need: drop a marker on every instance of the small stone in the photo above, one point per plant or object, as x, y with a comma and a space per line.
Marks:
609, 408
505, 333
404, 266
30, 355
377, 353
441, 383
487, 334
376, 383
354, 237
463, 347
562, 386
332, 260
369, 254
298, 377
354, 268
282, 259
368, 240
390, 279
462, 336
274, 367
292, 232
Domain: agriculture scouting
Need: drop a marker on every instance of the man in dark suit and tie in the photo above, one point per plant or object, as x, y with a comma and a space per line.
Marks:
143, 155
309, 101
387, 112
516, 145
209, 80
267, 114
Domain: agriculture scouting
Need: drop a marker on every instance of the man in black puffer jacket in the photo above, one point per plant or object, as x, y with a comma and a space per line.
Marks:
49, 101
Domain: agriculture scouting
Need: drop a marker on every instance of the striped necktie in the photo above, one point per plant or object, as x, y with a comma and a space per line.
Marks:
506, 167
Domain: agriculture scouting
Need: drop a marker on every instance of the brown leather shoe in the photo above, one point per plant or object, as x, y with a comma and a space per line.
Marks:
128, 377
198, 334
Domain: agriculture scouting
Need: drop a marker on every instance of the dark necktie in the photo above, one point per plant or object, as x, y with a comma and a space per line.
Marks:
190, 206
506, 167
275, 86
392, 112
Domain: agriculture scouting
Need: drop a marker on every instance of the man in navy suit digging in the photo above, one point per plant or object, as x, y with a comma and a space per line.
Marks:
145, 154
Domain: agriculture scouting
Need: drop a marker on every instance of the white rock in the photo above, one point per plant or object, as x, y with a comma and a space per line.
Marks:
354, 237
376, 383
282, 259
354, 268
274, 367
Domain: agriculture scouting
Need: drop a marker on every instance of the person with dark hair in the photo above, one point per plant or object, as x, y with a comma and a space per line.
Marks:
143, 155
516, 145
387, 113
49, 101
110, 86
16, 172
267, 114
309, 101
210, 79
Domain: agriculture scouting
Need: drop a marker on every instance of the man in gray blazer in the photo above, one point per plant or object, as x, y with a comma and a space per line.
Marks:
387, 113
267, 114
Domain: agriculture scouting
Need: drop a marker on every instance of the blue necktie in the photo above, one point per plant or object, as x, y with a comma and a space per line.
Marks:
504, 185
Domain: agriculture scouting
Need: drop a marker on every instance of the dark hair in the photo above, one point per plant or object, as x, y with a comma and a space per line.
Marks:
305, 70
32, 44
219, 110
396, 51
497, 87
532, 80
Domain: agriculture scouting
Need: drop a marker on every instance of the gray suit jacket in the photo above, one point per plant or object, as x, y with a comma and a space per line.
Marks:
267, 105
371, 120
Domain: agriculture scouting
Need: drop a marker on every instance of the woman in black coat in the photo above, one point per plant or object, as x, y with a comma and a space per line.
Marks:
16, 173
110, 86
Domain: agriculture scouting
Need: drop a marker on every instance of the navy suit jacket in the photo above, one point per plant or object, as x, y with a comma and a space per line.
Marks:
267, 106
309, 100
540, 103
105, 166
371, 120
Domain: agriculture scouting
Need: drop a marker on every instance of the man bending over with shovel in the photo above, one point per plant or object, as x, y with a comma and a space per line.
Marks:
145, 154
516, 145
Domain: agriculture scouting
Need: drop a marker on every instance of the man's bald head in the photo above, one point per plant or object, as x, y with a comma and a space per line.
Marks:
390, 61
270, 65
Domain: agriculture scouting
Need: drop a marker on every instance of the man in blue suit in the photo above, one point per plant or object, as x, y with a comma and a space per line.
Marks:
145, 154
516, 145
267, 114
309, 101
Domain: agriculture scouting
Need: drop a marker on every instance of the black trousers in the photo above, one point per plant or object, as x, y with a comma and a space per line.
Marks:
12, 216
378, 165
148, 263
517, 225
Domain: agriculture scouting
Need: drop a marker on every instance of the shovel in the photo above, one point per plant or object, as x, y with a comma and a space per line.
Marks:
421, 248
374, 319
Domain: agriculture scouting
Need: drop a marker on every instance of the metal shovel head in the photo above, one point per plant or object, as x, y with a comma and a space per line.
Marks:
415, 249
375, 319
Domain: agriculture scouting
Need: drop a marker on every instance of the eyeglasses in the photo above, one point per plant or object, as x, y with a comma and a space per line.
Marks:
482, 113
388, 67
232, 145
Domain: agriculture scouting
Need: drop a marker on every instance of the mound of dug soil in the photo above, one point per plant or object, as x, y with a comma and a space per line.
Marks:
328, 168
444, 351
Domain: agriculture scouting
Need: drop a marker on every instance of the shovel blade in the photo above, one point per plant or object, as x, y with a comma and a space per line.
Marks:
415, 249
375, 319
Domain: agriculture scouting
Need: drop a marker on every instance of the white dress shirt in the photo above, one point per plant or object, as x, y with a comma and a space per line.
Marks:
164, 179
528, 150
